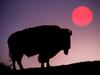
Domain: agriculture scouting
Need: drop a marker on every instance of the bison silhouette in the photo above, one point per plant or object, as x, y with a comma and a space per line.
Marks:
45, 40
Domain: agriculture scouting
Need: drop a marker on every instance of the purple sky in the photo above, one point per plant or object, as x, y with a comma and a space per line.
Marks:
20, 14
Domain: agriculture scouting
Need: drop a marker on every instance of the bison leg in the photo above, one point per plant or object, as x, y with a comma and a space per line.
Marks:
19, 63
41, 60
42, 65
13, 63
48, 64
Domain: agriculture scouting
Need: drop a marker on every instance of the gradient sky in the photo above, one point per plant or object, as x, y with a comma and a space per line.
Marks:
20, 14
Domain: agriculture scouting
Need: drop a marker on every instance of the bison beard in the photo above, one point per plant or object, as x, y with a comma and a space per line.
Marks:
44, 40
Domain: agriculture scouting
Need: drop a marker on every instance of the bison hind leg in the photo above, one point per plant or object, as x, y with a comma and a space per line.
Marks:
48, 64
19, 63
13, 64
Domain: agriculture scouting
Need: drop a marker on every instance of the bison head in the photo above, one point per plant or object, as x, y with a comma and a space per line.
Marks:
66, 41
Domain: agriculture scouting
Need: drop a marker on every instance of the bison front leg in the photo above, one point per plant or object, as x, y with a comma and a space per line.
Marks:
47, 64
41, 60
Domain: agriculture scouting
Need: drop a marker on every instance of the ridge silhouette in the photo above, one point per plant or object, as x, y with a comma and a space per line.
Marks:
87, 67
45, 40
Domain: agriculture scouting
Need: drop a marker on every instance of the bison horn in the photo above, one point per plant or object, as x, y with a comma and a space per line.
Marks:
70, 31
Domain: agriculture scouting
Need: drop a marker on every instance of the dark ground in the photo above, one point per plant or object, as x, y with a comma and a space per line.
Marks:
82, 68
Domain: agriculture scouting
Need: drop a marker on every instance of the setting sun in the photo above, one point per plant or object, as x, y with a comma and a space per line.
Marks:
82, 16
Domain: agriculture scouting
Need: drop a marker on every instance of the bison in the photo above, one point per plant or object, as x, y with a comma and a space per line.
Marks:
45, 40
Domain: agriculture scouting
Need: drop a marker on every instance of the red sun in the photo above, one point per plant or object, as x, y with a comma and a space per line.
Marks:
82, 16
